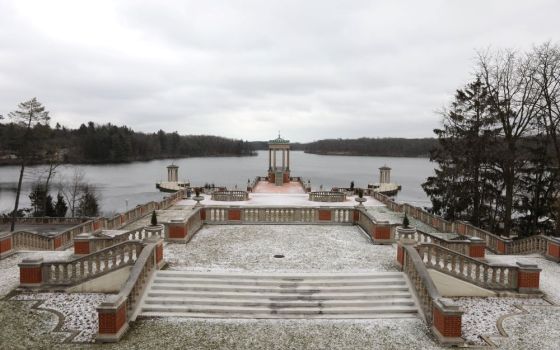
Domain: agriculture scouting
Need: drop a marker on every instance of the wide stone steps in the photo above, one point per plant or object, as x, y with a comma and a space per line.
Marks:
242, 295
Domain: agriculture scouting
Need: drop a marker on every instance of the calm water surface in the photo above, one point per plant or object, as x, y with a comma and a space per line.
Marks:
126, 185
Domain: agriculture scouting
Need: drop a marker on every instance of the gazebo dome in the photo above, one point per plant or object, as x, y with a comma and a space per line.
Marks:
279, 141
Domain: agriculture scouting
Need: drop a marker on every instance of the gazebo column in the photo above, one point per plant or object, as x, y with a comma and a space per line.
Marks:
274, 159
288, 156
269, 159
283, 159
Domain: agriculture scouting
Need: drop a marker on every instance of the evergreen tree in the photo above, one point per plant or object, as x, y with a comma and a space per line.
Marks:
88, 205
60, 207
49, 206
38, 196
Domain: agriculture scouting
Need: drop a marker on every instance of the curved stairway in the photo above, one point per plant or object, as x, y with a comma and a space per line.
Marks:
268, 295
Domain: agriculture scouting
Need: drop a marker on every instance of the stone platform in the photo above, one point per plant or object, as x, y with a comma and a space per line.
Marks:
290, 187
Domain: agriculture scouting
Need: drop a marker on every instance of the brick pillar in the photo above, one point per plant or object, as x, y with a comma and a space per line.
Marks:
6, 245
382, 233
82, 244
112, 320
446, 322
234, 214
553, 249
325, 215
31, 272
176, 231
477, 248
356, 216
528, 277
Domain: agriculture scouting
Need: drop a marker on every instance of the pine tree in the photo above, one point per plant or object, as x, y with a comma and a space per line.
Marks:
88, 205
49, 206
60, 207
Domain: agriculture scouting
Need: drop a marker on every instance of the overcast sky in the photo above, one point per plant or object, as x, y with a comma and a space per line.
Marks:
246, 69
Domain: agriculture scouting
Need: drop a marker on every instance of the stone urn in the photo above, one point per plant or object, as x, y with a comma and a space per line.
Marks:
197, 198
406, 233
154, 230
360, 199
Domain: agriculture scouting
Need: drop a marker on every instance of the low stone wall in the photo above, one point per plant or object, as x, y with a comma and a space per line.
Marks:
523, 278
327, 196
230, 196
548, 246
443, 318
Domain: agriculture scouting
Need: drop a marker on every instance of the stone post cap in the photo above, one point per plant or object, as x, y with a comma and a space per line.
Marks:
475, 239
31, 262
84, 235
532, 267
447, 306
112, 303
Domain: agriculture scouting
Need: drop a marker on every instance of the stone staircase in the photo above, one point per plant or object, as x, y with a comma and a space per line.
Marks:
285, 296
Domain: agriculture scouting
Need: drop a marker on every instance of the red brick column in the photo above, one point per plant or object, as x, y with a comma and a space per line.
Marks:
6, 245
31, 273
382, 233
553, 249
446, 323
112, 321
356, 216
234, 214
528, 278
82, 244
400, 255
477, 248
176, 231
324, 215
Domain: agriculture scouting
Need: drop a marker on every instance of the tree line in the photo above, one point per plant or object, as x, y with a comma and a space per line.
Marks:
107, 143
498, 149
381, 147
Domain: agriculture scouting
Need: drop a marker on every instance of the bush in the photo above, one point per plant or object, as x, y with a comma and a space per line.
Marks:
154, 218
405, 221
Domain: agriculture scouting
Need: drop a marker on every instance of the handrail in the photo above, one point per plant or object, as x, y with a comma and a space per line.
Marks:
327, 196
490, 276
230, 196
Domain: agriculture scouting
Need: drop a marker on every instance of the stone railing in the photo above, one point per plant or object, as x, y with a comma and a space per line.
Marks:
22, 240
230, 196
473, 247
251, 186
278, 215
327, 196
381, 232
116, 313
442, 317
37, 273
489, 276
495, 243
87, 243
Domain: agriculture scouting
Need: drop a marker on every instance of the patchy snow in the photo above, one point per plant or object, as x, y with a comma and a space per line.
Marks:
537, 329
311, 248
550, 274
9, 270
79, 310
282, 199
481, 314
183, 333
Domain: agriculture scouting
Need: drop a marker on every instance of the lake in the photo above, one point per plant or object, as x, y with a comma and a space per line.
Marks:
123, 186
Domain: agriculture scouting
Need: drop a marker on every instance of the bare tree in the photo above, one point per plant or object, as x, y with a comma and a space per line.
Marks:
29, 114
72, 189
513, 96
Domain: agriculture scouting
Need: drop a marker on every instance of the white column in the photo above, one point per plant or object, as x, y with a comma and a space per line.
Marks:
288, 154
283, 159
269, 158
274, 159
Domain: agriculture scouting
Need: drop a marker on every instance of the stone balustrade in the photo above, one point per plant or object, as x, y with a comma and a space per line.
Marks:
278, 215
87, 243
489, 276
43, 221
495, 243
23, 240
37, 273
443, 318
327, 196
230, 196
182, 230
473, 247
116, 313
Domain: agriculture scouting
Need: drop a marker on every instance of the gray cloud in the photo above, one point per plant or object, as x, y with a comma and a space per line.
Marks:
245, 69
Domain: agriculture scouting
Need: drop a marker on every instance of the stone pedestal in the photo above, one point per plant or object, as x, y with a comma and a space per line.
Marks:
477, 248
113, 322
528, 278
154, 230
82, 244
553, 249
446, 323
6, 245
31, 273
406, 233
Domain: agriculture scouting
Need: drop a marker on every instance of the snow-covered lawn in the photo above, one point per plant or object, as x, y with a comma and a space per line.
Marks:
550, 274
481, 314
79, 310
9, 270
310, 248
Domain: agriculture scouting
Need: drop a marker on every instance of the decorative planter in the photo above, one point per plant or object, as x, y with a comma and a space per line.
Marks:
154, 230
406, 233
361, 201
198, 199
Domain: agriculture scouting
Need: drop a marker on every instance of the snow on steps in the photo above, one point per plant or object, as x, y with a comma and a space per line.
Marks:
266, 295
